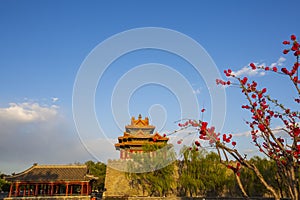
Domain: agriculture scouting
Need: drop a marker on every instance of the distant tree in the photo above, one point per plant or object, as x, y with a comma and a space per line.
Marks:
4, 185
252, 184
97, 169
215, 176
191, 182
201, 174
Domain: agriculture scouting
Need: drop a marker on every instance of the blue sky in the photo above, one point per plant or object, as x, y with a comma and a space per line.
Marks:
44, 43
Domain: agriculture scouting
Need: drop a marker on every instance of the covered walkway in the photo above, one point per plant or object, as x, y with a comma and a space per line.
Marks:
51, 180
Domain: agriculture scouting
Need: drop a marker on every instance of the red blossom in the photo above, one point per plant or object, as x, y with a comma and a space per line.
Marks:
296, 133
287, 111
284, 70
203, 110
285, 51
245, 106
230, 167
293, 37
233, 143
274, 69
286, 42
203, 126
244, 80
252, 65
227, 72
227, 139
261, 127
295, 46
297, 53
221, 82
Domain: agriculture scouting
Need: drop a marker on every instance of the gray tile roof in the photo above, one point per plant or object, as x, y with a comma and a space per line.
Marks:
48, 173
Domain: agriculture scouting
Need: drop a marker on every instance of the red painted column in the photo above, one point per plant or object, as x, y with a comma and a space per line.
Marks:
48, 189
36, 191
82, 188
87, 188
56, 189
51, 189
67, 188
71, 191
17, 190
10, 189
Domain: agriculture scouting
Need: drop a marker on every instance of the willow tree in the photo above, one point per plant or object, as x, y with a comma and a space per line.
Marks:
157, 175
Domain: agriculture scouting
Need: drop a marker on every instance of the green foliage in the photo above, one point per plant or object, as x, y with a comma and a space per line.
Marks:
97, 169
4, 185
214, 175
252, 184
201, 174
158, 178
189, 172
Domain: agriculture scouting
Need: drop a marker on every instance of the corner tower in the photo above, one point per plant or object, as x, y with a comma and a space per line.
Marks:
136, 135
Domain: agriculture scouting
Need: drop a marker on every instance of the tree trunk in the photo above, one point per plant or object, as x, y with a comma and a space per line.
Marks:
241, 186
262, 180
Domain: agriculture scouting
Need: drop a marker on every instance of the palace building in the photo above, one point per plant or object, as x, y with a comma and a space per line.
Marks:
51, 181
138, 134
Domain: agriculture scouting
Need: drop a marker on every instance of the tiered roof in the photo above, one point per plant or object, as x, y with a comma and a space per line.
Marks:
139, 133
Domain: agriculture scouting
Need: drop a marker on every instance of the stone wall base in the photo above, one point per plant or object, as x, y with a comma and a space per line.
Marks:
50, 198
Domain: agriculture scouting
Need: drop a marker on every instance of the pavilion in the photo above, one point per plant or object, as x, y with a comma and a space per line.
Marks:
51, 181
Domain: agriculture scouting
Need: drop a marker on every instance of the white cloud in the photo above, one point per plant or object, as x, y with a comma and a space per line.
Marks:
27, 112
54, 99
243, 134
33, 133
247, 71
280, 61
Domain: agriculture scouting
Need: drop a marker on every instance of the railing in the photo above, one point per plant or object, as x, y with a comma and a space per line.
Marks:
72, 197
